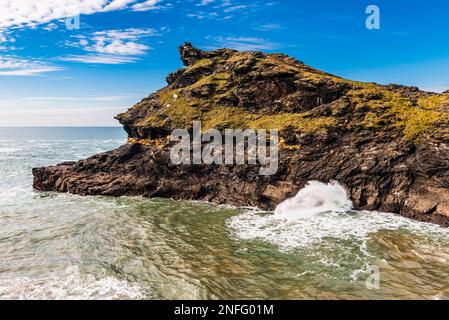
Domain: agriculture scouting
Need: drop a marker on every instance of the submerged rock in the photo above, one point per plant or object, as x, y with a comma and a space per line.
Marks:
388, 145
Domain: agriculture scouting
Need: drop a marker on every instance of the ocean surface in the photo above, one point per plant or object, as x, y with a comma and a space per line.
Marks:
60, 246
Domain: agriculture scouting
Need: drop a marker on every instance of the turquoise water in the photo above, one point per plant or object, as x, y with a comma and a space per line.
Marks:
59, 246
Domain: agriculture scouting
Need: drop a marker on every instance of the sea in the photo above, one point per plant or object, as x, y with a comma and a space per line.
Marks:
314, 246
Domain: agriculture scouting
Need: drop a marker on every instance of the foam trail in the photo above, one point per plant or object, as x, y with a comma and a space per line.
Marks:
9, 150
53, 288
315, 198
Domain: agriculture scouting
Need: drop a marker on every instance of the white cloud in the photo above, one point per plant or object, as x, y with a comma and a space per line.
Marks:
116, 5
6, 40
111, 46
235, 8
17, 13
10, 66
221, 10
268, 27
202, 15
246, 43
205, 2
146, 5
50, 27
3, 38
99, 59
119, 42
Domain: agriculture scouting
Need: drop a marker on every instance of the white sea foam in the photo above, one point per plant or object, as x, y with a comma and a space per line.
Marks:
314, 199
107, 288
9, 150
319, 212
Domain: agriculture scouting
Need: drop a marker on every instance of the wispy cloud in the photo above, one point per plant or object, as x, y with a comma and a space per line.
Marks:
118, 42
245, 43
11, 66
49, 99
268, 27
235, 8
149, 5
201, 15
218, 10
205, 3
111, 46
99, 59
6, 40
50, 27
5, 37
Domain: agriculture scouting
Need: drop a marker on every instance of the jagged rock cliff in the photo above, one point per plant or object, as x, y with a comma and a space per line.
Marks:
389, 145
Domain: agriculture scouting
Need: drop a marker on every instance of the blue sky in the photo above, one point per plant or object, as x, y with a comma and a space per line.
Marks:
53, 76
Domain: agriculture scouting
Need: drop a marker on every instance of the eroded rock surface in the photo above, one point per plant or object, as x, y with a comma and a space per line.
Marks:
389, 145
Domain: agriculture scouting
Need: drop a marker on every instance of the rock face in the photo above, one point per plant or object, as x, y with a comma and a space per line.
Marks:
389, 145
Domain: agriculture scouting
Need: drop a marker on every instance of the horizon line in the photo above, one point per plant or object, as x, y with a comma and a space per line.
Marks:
55, 127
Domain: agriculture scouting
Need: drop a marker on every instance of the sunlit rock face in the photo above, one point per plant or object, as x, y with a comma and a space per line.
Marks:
387, 145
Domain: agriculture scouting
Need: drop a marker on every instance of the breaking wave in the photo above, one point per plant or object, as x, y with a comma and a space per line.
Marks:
315, 198
318, 213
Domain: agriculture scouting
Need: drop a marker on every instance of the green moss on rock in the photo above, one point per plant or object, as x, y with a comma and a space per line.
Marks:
212, 98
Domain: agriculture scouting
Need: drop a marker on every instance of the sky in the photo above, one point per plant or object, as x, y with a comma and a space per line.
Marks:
56, 72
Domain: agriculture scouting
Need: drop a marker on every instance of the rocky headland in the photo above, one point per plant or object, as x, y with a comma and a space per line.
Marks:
388, 145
